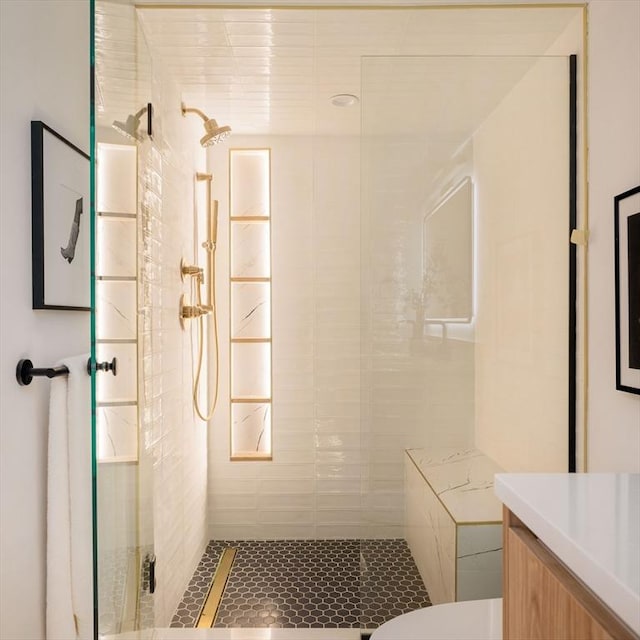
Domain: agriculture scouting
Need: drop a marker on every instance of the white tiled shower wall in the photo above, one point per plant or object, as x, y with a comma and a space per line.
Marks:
173, 440
311, 489
338, 431
415, 393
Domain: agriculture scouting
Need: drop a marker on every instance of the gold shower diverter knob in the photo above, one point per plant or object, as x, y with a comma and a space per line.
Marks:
190, 270
191, 312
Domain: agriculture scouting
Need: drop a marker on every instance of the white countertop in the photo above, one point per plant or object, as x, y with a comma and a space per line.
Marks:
591, 521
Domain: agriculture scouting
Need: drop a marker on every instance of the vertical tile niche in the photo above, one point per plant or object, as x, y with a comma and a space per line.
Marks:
250, 303
116, 298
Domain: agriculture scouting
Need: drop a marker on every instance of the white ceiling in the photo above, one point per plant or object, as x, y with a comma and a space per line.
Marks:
272, 71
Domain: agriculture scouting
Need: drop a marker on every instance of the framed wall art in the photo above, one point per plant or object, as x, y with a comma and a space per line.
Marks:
627, 280
60, 216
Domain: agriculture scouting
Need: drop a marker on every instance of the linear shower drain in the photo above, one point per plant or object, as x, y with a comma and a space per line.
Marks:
209, 611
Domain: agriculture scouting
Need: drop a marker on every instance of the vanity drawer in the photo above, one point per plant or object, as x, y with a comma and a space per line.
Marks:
543, 600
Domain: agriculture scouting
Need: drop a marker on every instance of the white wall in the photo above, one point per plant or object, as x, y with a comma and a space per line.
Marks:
613, 427
45, 76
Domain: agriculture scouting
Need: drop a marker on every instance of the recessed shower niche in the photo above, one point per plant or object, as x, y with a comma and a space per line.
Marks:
338, 346
250, 303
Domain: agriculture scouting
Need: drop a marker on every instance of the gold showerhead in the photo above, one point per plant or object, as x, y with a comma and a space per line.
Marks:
214, 132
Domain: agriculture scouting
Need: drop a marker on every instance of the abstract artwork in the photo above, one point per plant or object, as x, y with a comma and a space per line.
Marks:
60, 188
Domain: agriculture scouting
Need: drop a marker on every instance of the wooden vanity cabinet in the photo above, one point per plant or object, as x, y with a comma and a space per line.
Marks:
543, 600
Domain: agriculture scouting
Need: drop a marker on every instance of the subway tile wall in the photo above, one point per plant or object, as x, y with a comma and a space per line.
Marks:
349, 394
300, 494
336, 266
416, 387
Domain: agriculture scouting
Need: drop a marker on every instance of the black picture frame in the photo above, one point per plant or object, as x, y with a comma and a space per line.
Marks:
627, 289
60, 219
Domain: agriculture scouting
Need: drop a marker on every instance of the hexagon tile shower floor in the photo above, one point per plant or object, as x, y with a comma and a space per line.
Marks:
308, 583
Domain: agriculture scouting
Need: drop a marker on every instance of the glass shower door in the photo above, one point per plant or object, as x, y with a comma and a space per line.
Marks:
122, 126
464, 301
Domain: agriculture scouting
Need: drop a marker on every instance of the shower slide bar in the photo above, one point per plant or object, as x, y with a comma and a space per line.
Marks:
26, 372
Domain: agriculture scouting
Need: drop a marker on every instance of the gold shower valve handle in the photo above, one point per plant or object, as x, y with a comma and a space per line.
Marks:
188, 311
191, 270
191, 312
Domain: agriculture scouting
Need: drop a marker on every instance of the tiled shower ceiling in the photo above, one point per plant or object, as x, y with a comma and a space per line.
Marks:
274, 70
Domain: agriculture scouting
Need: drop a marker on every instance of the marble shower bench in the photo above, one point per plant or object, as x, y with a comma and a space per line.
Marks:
453, 523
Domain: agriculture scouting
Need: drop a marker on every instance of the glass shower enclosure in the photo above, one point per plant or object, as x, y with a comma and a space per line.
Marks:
438, 305
122, 126
465, 296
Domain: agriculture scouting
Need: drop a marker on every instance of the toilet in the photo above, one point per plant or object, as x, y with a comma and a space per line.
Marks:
471, 620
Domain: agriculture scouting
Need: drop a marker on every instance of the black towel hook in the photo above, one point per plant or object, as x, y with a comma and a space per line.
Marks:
25, 372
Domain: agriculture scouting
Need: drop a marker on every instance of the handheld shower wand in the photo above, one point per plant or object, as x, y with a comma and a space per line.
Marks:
208, 306
209, 245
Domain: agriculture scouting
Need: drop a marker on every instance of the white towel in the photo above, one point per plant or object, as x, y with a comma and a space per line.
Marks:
69, 514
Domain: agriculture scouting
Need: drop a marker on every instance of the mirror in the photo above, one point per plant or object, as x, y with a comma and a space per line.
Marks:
447, 283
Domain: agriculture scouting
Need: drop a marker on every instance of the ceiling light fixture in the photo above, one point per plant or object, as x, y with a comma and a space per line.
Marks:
344, 100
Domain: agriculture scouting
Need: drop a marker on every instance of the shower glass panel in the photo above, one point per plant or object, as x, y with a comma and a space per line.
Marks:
422, 307
464, 296
123, 497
